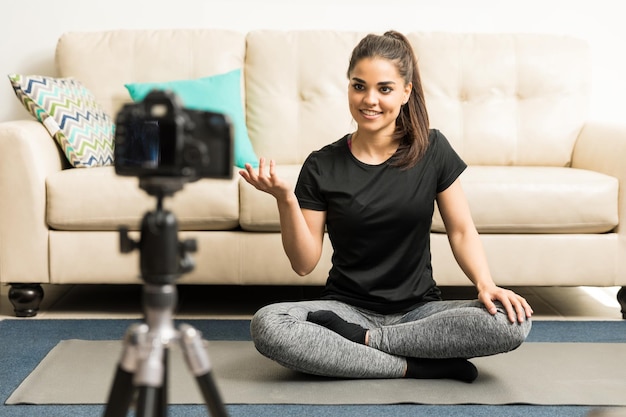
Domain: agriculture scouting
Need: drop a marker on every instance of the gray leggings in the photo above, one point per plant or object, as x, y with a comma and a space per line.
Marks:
438, 329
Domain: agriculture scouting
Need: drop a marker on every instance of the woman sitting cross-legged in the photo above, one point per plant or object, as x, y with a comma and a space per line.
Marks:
381, 314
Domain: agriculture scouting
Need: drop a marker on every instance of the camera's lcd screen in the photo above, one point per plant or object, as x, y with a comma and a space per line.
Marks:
147, 144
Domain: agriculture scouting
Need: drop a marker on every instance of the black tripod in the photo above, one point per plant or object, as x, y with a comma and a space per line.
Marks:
144, 362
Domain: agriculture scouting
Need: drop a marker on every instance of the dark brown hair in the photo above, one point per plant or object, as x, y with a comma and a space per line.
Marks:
412, 124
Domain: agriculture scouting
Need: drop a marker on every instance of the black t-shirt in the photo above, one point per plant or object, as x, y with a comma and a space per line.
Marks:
378, 220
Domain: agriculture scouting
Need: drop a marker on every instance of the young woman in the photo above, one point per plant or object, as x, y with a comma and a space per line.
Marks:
381, 314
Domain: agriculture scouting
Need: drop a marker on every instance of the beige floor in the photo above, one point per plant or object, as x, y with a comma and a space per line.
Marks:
124, 301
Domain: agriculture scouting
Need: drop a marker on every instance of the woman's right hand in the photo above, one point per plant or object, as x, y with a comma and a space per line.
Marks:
302, 231
269, 183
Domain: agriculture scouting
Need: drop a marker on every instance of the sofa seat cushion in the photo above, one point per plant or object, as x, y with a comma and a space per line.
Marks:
98, 199
524, 199
502, 200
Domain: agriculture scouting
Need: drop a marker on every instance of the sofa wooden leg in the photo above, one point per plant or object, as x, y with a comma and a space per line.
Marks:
621, 298
26, 299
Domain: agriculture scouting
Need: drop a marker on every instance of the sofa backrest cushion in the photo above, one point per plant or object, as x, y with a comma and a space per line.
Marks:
515, 99
105, 61
296, 91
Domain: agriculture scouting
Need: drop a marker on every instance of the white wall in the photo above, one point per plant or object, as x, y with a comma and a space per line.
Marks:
29, 29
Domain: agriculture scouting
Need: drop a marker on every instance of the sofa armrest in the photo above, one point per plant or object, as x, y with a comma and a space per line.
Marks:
27, 156
601, 147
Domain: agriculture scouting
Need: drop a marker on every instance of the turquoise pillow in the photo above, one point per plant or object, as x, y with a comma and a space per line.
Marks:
220, 93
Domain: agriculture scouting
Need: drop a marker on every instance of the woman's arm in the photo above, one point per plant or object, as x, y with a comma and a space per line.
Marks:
470, 255
302, 230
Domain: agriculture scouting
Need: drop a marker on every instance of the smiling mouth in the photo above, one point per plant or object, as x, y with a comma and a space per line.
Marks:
370, 113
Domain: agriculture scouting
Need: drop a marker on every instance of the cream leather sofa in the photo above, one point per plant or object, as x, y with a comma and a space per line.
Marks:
545, 183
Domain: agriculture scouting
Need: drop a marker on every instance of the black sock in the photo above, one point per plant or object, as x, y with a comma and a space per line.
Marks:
460, 369
338, 325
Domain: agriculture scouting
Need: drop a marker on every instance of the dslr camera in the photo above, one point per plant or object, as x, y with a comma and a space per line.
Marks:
159, 139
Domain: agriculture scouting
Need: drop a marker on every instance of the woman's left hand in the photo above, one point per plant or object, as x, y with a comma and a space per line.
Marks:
516, 306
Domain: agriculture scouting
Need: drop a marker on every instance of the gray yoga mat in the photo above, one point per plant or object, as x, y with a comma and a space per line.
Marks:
81, 372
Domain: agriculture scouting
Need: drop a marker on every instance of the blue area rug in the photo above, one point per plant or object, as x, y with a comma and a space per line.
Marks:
24, 343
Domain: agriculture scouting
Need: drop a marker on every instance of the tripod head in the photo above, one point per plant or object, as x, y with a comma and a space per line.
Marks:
163, 258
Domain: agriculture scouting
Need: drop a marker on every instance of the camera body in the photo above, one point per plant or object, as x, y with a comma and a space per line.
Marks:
158, 138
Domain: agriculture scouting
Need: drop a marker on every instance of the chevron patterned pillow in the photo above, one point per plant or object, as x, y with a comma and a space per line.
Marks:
71, 115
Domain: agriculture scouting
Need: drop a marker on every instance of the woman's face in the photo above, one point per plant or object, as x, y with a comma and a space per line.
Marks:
376, 94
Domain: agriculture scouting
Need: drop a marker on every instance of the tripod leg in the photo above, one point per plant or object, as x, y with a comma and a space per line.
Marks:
122, 390
211, 395
198, 362
121, 394
164, 386
150, 376
148, 403
152, 401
